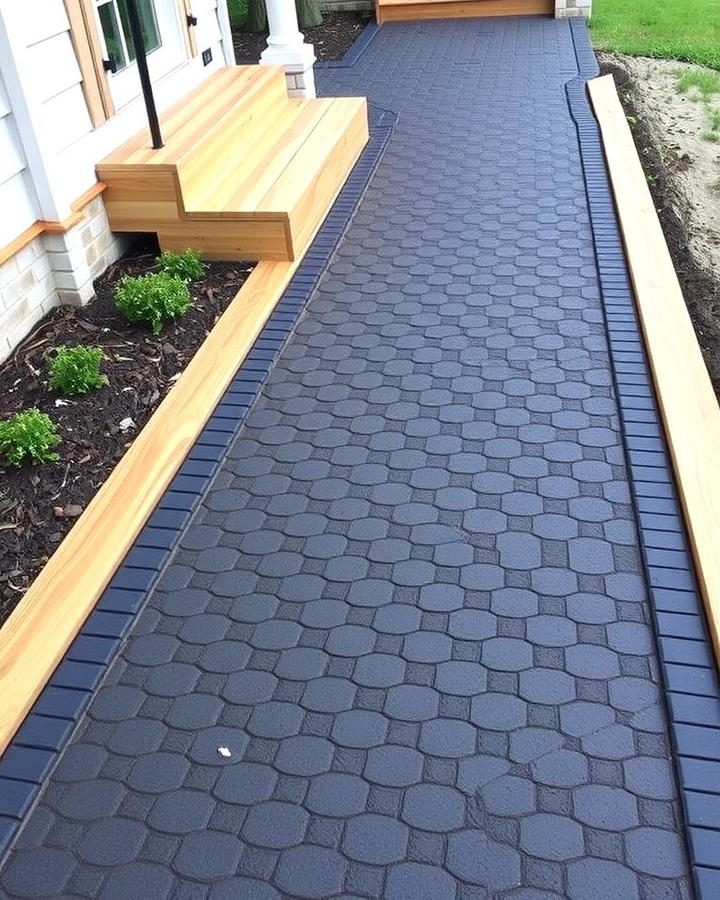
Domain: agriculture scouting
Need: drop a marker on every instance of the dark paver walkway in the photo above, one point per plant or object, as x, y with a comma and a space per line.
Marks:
412, 605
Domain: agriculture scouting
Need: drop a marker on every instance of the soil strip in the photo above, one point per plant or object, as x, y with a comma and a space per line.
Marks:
39, 504
331, 40
701, 289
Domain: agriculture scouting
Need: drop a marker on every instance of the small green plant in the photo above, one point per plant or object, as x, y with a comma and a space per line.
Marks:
28, 435
187, 265
152, 299
704, 81
76, 370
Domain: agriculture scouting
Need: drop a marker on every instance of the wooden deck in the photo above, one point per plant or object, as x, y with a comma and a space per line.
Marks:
245, 173
688, 405
405, 10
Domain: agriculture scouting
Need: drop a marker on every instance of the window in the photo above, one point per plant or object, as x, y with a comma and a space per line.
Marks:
162, 34
118, 36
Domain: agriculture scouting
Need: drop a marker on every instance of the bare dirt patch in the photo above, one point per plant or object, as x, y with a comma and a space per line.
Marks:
683, 170
331, 40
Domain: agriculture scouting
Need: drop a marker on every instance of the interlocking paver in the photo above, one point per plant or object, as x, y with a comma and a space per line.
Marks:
403, 649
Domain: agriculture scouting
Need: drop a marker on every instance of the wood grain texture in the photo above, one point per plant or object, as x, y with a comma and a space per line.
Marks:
43, 625
228, 239
407, 10
185, 10
88, 50
246, 171
688, 405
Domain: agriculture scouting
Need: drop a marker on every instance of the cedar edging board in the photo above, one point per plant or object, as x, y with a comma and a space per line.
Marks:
688, 405
73, 619
689, 669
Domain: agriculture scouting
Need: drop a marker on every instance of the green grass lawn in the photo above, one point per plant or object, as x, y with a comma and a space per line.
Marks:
674, 29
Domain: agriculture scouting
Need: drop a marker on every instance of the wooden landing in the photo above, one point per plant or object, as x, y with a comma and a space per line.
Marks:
245, 173
689, 408
405, 10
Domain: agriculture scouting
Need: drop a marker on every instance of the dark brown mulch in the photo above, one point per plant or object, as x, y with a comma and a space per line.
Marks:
331, 40
38, 504
701, 290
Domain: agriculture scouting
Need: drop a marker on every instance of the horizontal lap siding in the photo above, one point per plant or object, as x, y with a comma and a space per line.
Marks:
17, 200
59, 82
207, 31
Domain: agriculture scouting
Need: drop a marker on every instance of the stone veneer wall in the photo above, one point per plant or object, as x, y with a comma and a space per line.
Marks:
569, 9
55, 269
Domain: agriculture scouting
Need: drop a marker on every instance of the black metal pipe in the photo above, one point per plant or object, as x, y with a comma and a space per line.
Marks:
141, 59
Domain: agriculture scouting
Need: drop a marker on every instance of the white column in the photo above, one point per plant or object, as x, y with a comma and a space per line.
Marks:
286, 47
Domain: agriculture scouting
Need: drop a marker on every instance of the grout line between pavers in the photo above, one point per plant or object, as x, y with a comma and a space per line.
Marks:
686, 660
36, 747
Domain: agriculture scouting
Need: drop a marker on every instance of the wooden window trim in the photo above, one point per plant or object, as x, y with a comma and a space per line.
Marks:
44, 227
89, 53
185, 8
88, 49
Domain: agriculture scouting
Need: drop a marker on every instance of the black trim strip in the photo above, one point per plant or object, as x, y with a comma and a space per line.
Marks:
688, 666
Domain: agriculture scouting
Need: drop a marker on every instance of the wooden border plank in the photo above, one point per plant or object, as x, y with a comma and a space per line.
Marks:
688, 405
416, 10
43, 226
43, 625
188, 30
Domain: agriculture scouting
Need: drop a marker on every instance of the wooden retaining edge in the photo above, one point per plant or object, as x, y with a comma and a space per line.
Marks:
43, 625
43, 226
689, 408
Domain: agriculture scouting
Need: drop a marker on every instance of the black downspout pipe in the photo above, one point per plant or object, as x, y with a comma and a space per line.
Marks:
141, 59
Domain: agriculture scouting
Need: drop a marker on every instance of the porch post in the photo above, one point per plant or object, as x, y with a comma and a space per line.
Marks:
286, 47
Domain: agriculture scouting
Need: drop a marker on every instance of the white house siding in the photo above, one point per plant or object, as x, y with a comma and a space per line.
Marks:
60, 268
58, 87
25, 280
17, 200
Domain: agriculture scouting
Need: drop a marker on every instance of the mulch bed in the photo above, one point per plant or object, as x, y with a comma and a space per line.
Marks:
39, 504
331, 40
701, 290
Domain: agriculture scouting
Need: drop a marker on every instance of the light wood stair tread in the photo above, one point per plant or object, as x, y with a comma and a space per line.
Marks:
246, 172
273, 182
199, 114
259, 164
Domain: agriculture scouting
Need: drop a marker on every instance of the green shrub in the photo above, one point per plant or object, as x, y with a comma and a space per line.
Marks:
152, 299
28, 435
76, 370
187, 265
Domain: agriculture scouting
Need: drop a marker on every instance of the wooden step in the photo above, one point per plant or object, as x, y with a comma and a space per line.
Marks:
245, 172
261, 163
305, 169
406, 10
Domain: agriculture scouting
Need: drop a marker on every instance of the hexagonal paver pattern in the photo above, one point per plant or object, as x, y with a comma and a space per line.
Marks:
408, 654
